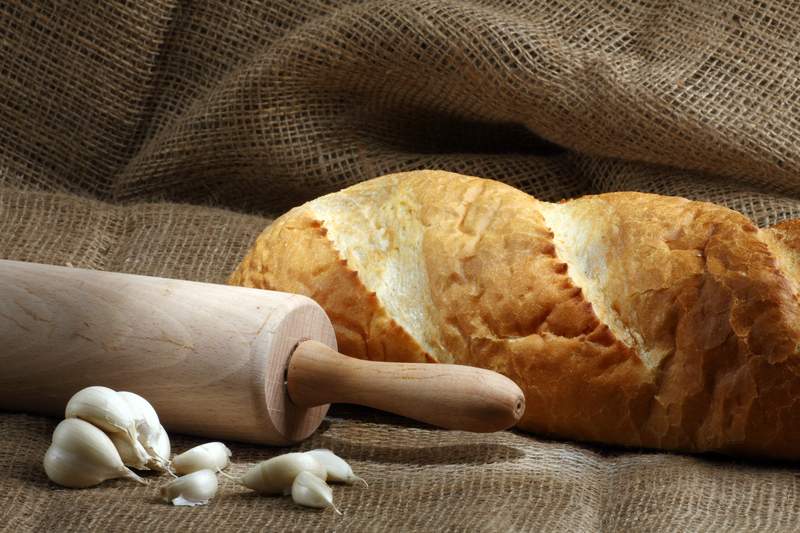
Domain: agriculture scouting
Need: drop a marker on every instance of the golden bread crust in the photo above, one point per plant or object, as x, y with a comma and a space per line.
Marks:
626, 318
294, 255
711, 313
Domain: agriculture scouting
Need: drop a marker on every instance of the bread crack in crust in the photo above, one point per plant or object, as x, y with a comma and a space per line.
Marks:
626, 318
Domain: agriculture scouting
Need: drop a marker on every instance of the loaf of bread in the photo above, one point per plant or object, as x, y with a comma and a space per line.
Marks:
626, 318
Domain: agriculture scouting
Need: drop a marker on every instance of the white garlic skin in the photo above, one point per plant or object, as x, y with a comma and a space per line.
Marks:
212, 455
126, 452
274, 475
311, 491
192, 489
149, 431
336, 467
111, 412
104, 408
146, 417
163, 447
82, 455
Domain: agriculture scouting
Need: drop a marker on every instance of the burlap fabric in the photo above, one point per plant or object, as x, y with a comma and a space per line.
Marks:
160, 137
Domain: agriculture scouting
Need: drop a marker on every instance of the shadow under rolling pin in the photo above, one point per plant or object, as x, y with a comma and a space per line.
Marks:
214, 360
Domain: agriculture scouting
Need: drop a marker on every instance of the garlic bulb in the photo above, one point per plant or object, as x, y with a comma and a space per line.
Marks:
311, 491
192, 489
336, 467
112, 413
150, 433
213, 455
82, 455
274, 475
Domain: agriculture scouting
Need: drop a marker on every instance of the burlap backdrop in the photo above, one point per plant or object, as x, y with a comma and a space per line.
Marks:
160, 137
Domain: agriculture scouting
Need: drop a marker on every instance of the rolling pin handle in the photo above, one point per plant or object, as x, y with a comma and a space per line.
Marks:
449, 396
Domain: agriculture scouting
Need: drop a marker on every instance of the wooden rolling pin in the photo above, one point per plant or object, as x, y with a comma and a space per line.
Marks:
214, 360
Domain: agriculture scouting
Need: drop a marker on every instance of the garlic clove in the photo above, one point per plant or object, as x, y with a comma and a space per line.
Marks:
213, 455
163, 447
104, 408
127, 452
158, 456
274, 475
131, 458
311, 491
337, 468
147, 421
109, 411
192, 489
149, 431
82, 455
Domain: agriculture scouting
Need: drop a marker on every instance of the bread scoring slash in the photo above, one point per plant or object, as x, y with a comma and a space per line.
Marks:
626, 318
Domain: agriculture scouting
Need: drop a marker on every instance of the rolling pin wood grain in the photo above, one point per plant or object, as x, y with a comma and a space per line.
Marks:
214, 360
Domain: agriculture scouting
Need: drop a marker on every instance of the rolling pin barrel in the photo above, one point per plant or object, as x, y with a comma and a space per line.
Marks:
211, 359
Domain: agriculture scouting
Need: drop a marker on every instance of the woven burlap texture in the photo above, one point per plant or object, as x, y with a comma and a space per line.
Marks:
160, 137
262, 105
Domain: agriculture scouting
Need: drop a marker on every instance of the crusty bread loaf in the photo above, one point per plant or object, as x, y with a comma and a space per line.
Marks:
626, 318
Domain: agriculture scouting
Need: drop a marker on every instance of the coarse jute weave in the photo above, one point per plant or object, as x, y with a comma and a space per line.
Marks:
159, 137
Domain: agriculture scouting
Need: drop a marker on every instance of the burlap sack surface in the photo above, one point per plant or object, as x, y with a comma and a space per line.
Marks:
266, 104
160, 137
